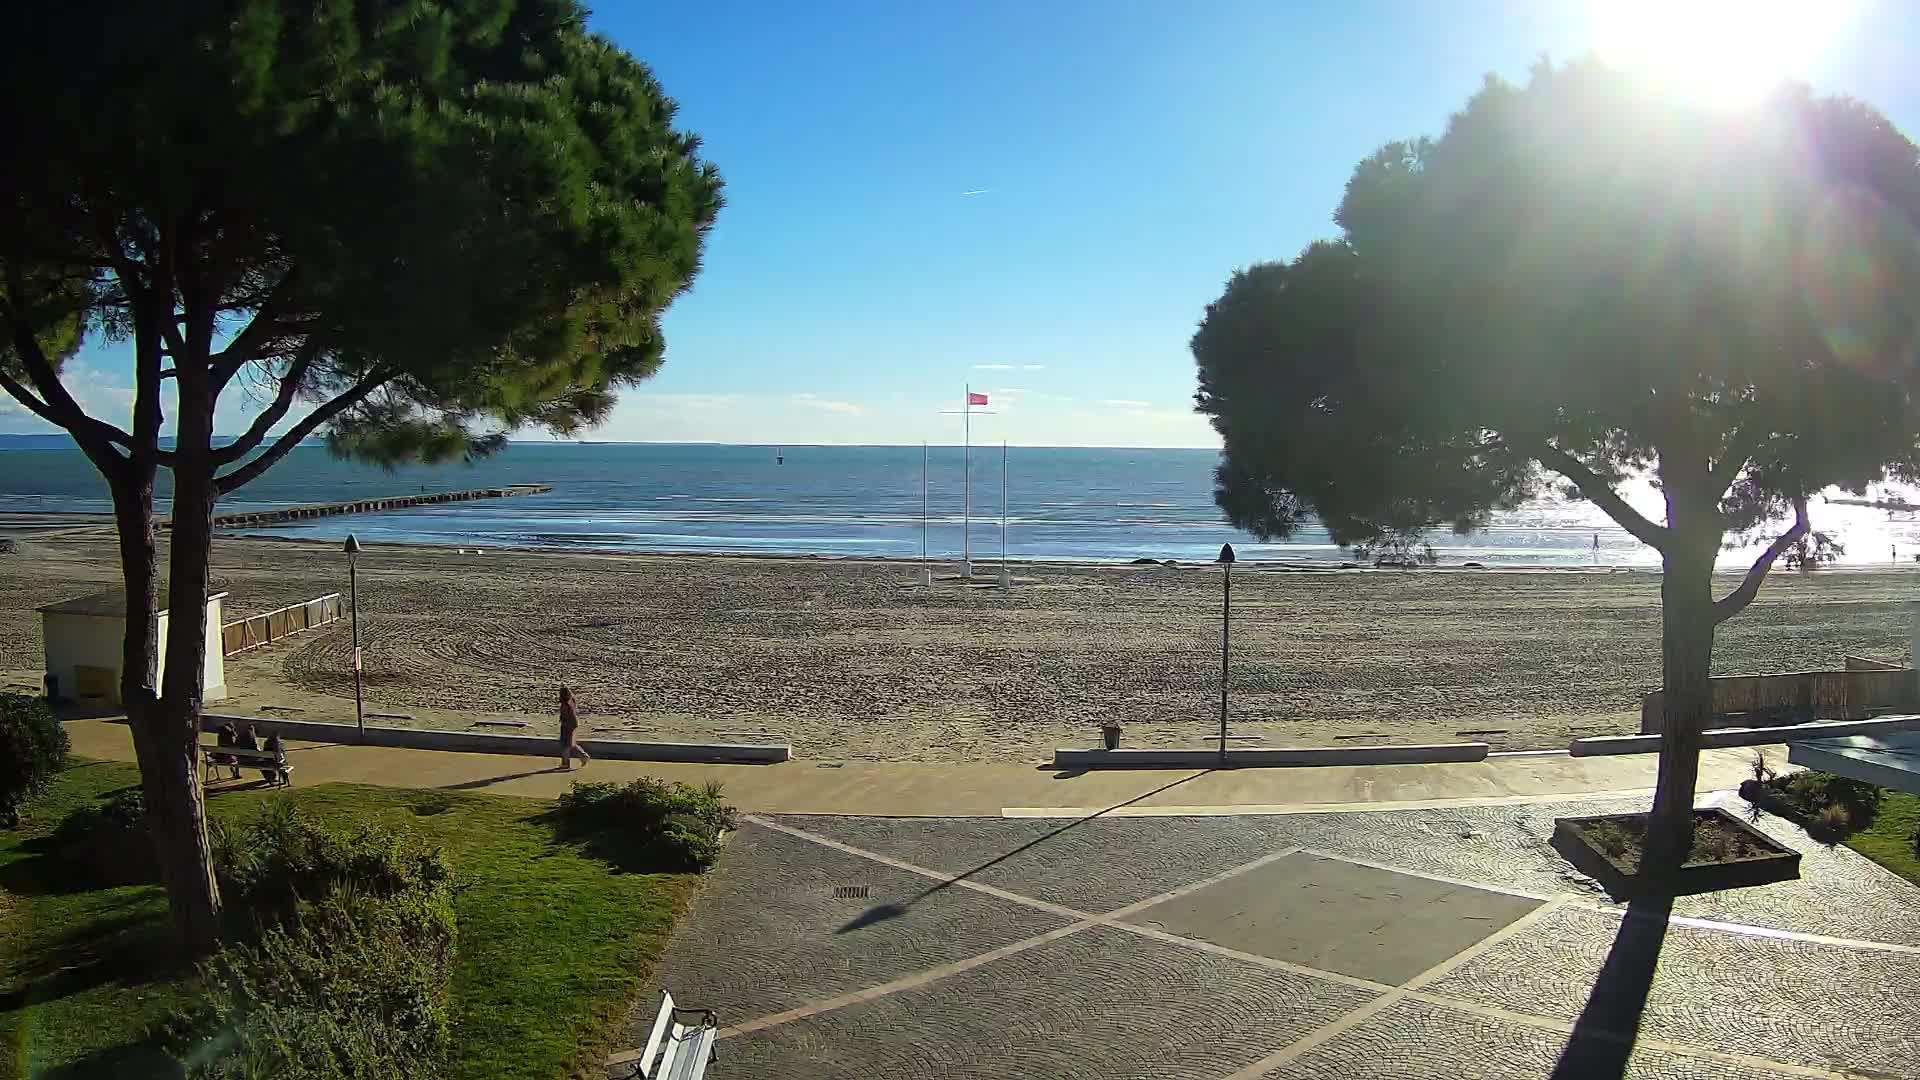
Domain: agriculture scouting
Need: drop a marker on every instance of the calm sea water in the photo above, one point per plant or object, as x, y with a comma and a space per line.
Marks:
1063, 503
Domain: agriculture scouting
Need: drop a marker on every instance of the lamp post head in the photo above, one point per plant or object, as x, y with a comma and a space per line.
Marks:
1226, 554
352, 545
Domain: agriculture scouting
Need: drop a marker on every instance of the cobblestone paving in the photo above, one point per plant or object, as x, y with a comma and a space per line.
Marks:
1019, 969
1414, 1040
767, 934
1099, 1004
1105, 862
1806, 1004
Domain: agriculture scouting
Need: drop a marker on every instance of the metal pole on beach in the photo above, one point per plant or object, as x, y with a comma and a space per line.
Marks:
1226, 630
353, 594
1006, 578
966, 516
926, 572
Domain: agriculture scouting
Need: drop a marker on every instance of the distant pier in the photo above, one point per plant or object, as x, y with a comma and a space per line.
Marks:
285, 514
1877, 504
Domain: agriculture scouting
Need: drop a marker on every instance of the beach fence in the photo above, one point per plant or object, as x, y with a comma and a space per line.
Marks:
258, 630
1800, 696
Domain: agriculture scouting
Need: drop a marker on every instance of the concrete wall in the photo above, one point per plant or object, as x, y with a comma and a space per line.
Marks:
478, 742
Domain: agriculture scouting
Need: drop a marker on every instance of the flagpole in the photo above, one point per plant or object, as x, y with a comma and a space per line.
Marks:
966, 518
1006, 580
926, 574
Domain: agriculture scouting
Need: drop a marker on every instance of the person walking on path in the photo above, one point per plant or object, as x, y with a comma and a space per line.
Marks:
570, 734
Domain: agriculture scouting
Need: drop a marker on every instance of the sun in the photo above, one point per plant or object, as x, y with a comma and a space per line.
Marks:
1719, 52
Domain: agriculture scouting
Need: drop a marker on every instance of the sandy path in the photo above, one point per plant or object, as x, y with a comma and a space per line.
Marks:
847, 661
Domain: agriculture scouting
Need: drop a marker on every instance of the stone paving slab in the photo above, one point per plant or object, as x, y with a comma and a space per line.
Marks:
1339, 916
766, 933
1101, 1004
1414, 1040
1789, 1001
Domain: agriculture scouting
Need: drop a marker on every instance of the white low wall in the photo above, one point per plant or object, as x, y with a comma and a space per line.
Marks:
478, 742
1261, 757
1721, 738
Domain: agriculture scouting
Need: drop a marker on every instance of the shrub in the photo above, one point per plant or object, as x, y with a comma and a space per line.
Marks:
1814, 793
648, 825
346, 974
353, 986
1610, 837
269, 865
1834, 817
33, 746
110, 844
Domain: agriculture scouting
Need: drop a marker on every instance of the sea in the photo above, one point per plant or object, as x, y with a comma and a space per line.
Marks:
1060, 504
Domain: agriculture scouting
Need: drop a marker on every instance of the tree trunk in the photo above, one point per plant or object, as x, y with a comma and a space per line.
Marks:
1686, 654
186, 857
169, 768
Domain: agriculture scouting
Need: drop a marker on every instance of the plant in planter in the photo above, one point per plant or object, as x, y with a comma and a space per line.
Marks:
1727, 853
1829, 807
1110, 734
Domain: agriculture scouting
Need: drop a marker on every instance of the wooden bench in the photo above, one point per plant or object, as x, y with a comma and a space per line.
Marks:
214, 758
676, 1050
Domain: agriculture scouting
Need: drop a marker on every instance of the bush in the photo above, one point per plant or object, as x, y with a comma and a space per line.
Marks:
348, 973
1833, 817
110, 844
279, 859
33, 746
649, 825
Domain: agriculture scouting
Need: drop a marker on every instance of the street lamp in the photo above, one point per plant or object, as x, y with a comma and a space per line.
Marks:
1226, 608
353, 594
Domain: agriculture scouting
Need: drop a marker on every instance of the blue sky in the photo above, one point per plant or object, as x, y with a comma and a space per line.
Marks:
1127, 156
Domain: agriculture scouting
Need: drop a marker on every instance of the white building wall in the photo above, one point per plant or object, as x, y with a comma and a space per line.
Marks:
76, 641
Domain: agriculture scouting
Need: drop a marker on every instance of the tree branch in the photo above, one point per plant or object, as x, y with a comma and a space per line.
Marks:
1599, 492
274, 413
1736, 601
93, 435
246, 345
285, 444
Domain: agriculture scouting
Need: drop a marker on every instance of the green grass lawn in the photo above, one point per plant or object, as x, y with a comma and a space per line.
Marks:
553, 944
1889, 840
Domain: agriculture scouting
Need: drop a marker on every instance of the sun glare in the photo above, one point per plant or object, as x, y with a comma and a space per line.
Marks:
1720, 52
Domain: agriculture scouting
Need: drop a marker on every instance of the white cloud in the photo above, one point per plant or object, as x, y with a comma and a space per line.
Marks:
684, 401
815, 401
1123, 403
993, 367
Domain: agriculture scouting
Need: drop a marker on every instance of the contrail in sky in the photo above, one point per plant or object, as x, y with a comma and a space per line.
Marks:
975, 191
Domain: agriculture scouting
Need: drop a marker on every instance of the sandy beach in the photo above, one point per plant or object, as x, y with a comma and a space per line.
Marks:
849, 661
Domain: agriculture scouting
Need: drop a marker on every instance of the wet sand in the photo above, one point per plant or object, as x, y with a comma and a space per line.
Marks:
849, 660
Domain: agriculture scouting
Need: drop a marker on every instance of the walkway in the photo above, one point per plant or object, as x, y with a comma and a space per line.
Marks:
915, 790
1390, 945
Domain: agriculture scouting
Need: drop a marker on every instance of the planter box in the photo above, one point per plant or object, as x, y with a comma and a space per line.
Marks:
1777, 863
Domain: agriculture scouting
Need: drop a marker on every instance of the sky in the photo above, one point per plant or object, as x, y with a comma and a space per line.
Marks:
1037, 200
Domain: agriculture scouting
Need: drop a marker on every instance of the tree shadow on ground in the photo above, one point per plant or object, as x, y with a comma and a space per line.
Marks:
134, 1061
1603, 1037
882, 912
130, 949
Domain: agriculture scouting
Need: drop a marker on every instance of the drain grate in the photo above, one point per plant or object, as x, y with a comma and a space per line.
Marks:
851, 892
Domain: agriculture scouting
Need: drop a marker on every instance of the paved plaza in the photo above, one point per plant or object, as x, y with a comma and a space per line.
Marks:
1444, 943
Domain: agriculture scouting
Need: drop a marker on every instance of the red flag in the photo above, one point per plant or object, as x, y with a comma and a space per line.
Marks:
976, 399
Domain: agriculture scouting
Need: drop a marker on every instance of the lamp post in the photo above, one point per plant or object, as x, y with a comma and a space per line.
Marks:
1226, 610
353, 594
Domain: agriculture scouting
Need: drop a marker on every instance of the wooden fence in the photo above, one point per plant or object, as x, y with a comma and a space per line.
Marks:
1798, 697
258, 630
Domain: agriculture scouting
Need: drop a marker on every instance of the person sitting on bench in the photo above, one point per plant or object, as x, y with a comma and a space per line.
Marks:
276, 775
226, 737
